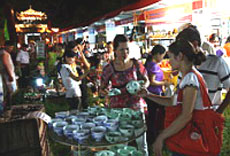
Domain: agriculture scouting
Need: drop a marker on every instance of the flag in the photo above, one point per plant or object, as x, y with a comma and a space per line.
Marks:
6, 33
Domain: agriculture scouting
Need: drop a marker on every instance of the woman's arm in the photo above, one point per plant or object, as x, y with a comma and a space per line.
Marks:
162, 100
154, 82
84, 61
188, 104
146, 79
79, 77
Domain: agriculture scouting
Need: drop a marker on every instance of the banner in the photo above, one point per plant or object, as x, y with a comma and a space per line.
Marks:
110, 30
6, 32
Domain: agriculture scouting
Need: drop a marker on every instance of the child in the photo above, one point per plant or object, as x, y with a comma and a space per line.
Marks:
71, 80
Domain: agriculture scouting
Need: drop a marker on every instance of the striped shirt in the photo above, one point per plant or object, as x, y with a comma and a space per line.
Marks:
216, 73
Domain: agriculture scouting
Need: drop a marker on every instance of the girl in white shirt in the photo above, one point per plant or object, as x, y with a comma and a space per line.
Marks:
71, 81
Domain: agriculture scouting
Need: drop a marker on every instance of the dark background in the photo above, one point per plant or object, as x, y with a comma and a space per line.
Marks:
69, 13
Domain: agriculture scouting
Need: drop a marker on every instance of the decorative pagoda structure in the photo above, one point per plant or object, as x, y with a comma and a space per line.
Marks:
31, 25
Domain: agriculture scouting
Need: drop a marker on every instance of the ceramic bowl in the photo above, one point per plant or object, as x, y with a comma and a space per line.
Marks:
123, 152
112, 124
90, 118
127, 130
94, 110
100, 120
69, 118
62, 115
98, 132
137, 123
137, 114
114, 92
88, 125
125, 118
113, 137
58, 127
118, 146
83, 114
131, 149
68, 130
105, 153
112, 114
81, 135
50, 124
127, 110
78, 120
81, 132
81, 139
133, 87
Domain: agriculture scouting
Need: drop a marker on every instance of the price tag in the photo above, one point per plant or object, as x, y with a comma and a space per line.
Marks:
41, 115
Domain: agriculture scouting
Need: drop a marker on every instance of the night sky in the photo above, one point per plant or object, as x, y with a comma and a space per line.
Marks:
68, 13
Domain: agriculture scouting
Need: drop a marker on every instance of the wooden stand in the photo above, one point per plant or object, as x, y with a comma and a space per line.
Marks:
23, 137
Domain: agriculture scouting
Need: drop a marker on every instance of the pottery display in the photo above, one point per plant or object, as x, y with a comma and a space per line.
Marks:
116, 125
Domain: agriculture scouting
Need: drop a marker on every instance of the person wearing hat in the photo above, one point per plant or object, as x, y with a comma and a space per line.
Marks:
71, 81
7, 75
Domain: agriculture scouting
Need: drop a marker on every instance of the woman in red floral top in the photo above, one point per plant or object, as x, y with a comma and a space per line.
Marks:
117, 74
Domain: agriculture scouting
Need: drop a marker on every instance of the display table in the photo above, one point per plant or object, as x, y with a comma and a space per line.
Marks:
92, 144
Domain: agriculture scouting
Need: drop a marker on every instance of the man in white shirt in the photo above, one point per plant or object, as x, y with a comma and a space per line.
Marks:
23, 62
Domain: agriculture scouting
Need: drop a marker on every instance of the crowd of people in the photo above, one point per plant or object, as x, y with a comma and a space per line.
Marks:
203, 74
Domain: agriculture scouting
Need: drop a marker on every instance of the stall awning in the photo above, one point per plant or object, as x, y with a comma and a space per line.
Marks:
138, 5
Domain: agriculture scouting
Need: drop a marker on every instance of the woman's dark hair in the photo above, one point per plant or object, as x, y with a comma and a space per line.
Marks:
118, 39
157, 49
185, 47
190, 34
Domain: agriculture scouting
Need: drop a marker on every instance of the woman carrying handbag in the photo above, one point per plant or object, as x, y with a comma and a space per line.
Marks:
192, 128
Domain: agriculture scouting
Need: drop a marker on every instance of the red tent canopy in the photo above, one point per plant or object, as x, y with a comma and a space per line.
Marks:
138, 5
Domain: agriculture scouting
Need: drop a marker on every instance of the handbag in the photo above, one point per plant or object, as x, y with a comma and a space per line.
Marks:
202, 135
